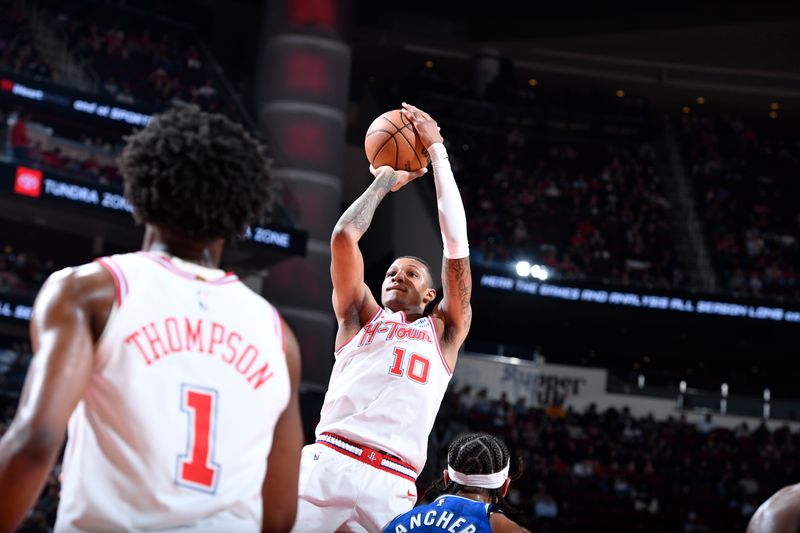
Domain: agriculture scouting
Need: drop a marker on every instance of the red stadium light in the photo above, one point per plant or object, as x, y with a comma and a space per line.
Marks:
28, 182
306, 140
307, 72
313, 13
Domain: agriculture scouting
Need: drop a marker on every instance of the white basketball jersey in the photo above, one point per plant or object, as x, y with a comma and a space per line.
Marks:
176, 424
386, 386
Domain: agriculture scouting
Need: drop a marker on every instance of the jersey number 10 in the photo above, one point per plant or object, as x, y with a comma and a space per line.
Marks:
418, 366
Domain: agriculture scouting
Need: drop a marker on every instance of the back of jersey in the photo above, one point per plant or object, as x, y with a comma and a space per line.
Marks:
449, 513
177, 421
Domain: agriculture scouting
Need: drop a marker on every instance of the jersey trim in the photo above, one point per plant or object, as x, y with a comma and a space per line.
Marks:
438, 346
120, 281
370, 321
229, 277
279, 328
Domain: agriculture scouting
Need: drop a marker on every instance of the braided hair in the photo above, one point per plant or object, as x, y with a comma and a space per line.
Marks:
478, 453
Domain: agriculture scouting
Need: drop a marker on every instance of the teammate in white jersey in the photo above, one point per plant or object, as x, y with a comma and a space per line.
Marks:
393, 363
176, 383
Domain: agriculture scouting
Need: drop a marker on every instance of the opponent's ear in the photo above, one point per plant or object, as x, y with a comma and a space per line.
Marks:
504, 488
446, 476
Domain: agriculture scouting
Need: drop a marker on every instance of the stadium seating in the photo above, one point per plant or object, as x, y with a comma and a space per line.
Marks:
745, 180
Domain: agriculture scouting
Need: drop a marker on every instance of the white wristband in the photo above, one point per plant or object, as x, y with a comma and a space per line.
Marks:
452, 218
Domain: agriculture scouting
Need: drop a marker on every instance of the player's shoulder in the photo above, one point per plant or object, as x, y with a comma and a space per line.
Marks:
87, 290
502, 524
781, 512
77, 280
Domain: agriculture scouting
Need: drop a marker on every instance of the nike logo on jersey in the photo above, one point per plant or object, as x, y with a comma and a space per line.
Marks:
410, 494
202, 299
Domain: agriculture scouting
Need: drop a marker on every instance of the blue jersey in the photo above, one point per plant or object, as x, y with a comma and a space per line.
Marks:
449, 513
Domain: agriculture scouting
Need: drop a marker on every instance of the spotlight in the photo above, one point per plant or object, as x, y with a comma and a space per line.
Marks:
620, 93
701, 100
773, 114
682, 387
523, 268
539, 272
533, 82
428, 64
686, 110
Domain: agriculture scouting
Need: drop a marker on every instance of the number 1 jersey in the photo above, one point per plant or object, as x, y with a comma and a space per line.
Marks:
176, 423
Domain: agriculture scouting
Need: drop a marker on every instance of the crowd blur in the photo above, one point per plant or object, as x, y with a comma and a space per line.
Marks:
573, 186
612, 471
17, 52
22, 271
746, 183
137, 61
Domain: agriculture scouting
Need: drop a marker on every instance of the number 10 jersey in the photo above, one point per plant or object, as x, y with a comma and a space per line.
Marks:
386, 386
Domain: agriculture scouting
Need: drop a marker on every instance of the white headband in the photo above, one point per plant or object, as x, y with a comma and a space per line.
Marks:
482, 481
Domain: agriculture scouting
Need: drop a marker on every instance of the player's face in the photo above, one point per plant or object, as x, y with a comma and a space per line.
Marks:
406, 285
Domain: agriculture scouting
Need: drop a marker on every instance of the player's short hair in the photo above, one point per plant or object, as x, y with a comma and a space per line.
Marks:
198, 174
428, 275
479, 453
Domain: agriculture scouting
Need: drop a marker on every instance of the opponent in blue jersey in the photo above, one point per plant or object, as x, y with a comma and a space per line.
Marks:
475, 485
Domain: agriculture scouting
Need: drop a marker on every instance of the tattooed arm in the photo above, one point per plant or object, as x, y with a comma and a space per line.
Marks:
353, 302
454, 310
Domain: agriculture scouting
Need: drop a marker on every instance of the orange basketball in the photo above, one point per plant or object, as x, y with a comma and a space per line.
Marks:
391, 140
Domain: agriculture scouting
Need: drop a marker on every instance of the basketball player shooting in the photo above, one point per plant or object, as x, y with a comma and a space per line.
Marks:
393, 363
177, 384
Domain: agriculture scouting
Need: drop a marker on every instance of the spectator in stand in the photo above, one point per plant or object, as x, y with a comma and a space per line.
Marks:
583, 208
21, 271
17, 136
745, 181
17, 52
615, 469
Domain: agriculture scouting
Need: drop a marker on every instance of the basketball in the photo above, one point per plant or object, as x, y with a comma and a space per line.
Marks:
392, 141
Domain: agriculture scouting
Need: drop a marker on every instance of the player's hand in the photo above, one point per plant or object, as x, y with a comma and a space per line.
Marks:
403, 177
427, 129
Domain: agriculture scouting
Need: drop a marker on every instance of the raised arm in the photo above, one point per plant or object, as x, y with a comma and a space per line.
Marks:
455, 309
64, 325
353, 302
279, 492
